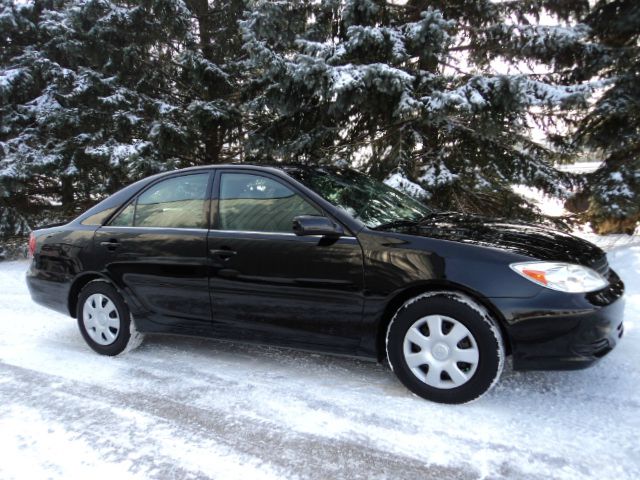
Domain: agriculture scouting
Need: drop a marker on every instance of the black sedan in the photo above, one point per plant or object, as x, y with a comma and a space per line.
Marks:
329, 260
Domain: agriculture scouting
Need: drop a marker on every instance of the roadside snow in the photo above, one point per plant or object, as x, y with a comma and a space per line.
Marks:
192, 408
611, 243
548, 205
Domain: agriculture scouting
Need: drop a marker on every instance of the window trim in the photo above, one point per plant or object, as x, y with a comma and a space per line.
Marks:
207, 200
183, 229
214, 225
253, 233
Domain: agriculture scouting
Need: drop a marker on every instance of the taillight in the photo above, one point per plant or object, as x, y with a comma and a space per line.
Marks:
32, 245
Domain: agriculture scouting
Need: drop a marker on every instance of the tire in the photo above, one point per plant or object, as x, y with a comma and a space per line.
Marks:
457, 365
104, 320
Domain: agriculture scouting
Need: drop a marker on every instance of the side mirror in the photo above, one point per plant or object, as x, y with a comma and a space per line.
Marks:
316, 225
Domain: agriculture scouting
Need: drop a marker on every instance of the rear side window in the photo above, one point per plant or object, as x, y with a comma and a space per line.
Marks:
98, 218
256, 203
179, 202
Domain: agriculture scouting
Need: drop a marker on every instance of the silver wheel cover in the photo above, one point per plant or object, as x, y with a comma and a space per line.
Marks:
101, 319
441, 360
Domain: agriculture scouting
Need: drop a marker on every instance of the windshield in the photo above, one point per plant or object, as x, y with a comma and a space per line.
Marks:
370, 201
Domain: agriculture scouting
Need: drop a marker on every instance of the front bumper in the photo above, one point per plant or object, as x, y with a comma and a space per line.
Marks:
560, 331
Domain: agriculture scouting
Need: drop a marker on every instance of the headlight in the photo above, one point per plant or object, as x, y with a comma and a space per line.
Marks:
565, 277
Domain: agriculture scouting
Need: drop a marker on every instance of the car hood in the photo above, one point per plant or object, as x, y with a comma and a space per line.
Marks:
531, 240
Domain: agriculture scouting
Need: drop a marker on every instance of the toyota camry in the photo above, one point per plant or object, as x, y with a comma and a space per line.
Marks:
329, 260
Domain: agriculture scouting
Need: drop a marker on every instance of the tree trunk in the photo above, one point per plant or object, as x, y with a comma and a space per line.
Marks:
213, 135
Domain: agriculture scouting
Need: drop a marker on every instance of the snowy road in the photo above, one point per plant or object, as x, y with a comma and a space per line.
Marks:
189, 408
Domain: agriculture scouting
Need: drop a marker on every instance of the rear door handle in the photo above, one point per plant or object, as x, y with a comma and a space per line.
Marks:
222, 252
111, 244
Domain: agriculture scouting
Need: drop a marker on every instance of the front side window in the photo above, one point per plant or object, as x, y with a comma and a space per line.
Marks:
372, 202
125, 217
179, 202
256, 203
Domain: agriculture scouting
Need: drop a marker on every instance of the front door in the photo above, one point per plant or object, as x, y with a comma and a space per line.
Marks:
156, 249
267, 284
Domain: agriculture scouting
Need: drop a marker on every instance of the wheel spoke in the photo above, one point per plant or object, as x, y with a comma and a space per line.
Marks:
457, 333
89, 322
113, 322
415, 359
415, 336
458, 377
109, 307
109, 335
433, 376
435, 326
96, 333
467, 355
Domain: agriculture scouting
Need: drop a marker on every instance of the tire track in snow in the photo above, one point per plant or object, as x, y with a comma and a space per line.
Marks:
141, 429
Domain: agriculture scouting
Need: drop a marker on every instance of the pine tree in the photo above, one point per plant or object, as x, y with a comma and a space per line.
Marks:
612, 126
436, 97
96, 94
409, 92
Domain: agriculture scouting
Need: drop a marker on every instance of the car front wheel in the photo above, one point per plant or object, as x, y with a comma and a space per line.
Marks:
445, 347
104, 320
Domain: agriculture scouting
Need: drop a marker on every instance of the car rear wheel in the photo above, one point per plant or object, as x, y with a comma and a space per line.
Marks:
445, 347
104, 320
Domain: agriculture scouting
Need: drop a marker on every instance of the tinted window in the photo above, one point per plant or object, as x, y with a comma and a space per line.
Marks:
125, 217
363, 197
98, 218
259, 204
178, 202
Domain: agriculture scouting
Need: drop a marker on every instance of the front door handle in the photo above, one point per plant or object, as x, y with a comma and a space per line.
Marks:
111, 244
223, 252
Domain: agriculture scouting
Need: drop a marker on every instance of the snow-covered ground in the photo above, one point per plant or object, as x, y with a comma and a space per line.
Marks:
190, 408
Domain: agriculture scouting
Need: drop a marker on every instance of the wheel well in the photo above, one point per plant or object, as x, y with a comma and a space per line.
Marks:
396, 302
77, 287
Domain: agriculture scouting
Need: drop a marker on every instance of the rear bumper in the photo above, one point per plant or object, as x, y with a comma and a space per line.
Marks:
48, 292
559, 331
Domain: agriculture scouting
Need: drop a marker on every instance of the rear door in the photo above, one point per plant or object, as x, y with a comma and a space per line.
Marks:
156, 249
267, 284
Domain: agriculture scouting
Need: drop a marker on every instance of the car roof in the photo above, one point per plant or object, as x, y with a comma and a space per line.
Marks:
288, 166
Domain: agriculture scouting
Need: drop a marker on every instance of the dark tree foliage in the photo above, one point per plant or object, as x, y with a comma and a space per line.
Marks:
612, 126
439, 98
98, 93
410, 92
